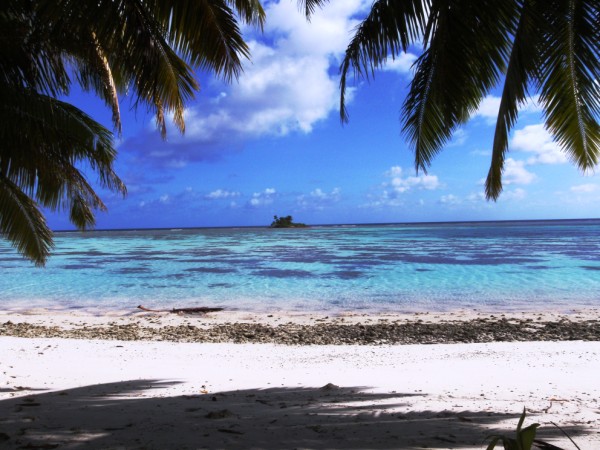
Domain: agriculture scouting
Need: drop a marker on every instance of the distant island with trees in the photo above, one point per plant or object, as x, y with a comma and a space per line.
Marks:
286, 222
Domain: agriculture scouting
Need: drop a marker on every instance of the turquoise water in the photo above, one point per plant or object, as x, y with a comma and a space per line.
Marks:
406, 267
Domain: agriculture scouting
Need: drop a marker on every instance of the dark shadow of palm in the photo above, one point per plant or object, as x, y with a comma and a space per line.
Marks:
121, 415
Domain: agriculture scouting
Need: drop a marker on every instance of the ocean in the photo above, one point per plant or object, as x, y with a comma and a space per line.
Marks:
488, 266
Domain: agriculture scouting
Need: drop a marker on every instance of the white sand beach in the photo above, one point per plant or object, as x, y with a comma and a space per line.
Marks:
111, 394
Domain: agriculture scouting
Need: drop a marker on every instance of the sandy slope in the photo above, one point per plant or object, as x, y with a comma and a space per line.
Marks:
59, 393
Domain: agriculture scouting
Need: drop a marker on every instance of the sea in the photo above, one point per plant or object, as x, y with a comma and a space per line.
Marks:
383, 268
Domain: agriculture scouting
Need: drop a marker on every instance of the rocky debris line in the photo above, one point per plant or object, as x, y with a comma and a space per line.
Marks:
477, 330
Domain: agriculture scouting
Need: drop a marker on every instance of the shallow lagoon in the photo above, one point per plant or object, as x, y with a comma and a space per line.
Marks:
376, 268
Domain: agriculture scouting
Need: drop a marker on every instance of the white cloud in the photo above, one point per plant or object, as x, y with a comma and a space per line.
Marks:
395, 171
450, 199
471, 199
400, 64
290, 84
489, 106
318, 193
585, 188
536, 139
221, 193
516, 173
287, 86
514, 194
459, 137
262, 198
398, 184
319, 199
476, 197
164, 198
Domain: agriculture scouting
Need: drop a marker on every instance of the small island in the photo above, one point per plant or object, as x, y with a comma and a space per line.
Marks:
286, 222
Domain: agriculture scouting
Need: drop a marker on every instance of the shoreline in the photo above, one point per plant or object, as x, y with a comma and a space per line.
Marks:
307, 328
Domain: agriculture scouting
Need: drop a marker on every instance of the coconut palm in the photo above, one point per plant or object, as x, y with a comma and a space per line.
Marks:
144, 49
545, 47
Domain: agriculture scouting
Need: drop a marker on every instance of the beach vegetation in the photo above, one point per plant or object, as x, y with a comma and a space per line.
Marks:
524, 438
146, 51
285, 222
543, 48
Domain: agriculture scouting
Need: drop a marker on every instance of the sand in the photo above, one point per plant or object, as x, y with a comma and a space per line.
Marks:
111, 394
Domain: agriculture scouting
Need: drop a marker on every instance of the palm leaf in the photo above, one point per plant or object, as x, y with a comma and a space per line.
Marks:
569, 73
310, 6
52, 137
457, 69
94, 72
23, 224
27, 57
139, 55
205, 32
112, 47
522, 65
250, 11
389, 28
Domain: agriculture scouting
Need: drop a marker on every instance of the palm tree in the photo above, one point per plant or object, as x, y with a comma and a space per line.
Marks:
145, 49
548, 47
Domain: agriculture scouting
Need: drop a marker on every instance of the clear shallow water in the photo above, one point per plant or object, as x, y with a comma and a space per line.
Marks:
436, 267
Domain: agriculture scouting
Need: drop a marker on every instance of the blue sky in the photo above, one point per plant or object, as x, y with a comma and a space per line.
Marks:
272, 143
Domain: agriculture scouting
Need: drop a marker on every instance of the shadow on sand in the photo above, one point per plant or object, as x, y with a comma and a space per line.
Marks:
132, 415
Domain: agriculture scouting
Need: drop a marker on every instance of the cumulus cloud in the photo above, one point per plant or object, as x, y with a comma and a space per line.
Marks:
516, 173
263, 198
289, 85
168, 201
319, 199
514, 194
476, 197
400, 64
449, 199
469, 200
222, 194
535, 139
489, 106
400, 184
459, 137
585, 188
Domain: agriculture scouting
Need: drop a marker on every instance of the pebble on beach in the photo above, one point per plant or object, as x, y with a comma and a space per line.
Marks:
326, 333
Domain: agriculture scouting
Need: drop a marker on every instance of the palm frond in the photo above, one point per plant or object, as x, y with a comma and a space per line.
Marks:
310, 6
27, 57
569, 89
94, 72
468, 44
111, 47
250, 11
390, 27
22, 223
52, 137
206, 33
135, 43
521, 70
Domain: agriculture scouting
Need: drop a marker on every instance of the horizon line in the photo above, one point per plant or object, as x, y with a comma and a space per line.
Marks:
445, 222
